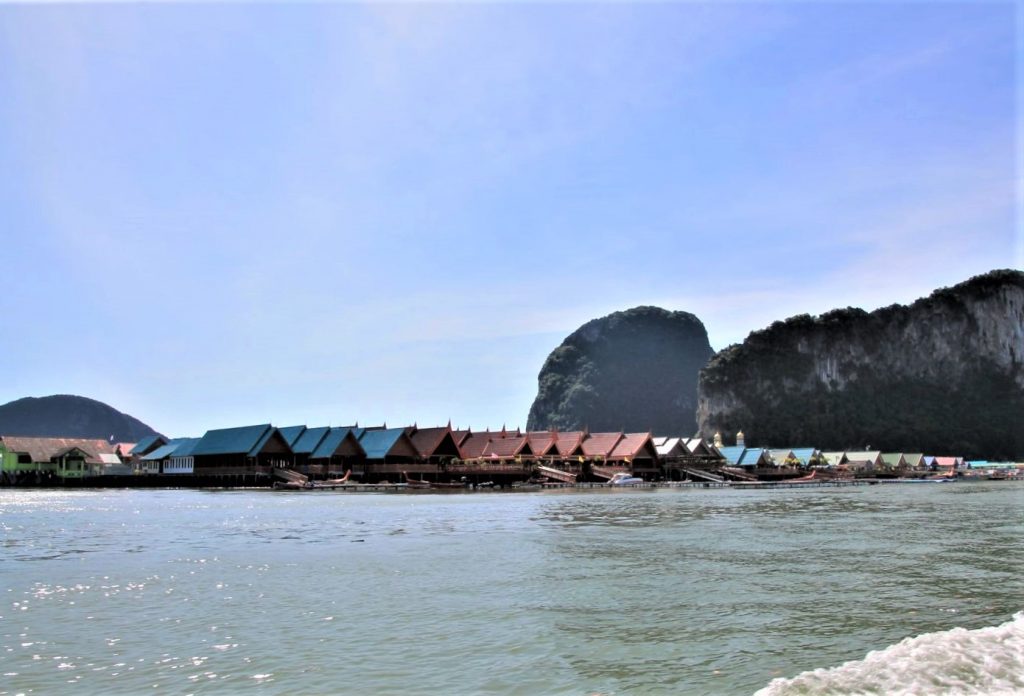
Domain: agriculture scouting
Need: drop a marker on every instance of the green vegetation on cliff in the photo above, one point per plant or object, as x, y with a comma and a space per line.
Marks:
634, 370
943, 375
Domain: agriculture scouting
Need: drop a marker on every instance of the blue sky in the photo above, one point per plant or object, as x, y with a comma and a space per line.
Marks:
215, 215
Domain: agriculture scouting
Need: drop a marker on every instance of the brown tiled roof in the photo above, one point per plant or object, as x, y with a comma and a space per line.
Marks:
600, 444
541, 441
427, 440
473, 446
568, 442
507, 447
461, 435
634, 445
43, 449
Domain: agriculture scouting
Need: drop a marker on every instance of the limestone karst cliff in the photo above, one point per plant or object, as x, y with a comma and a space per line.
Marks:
634, 370
942, 375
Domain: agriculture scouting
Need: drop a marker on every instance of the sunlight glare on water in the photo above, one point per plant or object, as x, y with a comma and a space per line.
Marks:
671, 591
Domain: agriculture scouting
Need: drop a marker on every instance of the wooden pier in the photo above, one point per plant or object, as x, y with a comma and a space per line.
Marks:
350, 487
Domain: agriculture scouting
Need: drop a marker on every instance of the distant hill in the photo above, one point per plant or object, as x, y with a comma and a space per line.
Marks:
64, 415
944, 375
634, 370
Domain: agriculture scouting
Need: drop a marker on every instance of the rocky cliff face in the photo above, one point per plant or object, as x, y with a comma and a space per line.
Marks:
634, 370
943, 375
64, 415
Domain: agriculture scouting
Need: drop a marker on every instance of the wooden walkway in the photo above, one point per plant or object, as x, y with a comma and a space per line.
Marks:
736, 485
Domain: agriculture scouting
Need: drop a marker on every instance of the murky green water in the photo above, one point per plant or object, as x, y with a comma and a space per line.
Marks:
627, 592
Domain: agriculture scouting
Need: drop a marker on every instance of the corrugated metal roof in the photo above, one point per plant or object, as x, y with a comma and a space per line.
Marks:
241, 440
833, 458
109, 458
261, 443
669, 446
892, 459
870, 456
162, 452
733, 454
804, 454
310, 440
147, 443
697, 446
43, 449
753, 457
291, 434
186, 447
780, 456
328, 444
377, 443
913, 460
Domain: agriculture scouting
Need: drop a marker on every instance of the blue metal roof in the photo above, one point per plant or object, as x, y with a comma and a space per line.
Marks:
310, 439
291, 434
733, 454
377, 443
145, 442
804, 454
261, 443
329, 444
186, 446
751, 457
163, 452
242, 440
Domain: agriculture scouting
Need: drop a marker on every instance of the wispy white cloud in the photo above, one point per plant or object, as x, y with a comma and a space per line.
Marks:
355, 206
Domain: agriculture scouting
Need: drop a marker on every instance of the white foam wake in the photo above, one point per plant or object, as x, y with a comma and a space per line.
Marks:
986, 661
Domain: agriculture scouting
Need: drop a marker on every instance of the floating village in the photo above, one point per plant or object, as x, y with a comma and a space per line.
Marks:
445, 458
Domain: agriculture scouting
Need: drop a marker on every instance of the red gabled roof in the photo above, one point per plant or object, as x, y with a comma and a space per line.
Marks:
473, 446
123, 448
946, 461
460, 436
511, 446
600, 444
542, 442
634, 445
428, 440
568, 443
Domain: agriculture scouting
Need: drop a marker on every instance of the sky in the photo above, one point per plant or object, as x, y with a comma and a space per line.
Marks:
215, 215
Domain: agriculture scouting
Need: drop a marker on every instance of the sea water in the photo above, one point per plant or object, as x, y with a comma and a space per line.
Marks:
876, 589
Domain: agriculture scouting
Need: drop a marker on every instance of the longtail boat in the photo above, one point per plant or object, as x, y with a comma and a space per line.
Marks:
421, 484
413, 483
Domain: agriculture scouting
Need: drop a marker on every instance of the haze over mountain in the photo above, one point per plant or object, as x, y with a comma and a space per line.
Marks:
65, 415
634, 370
